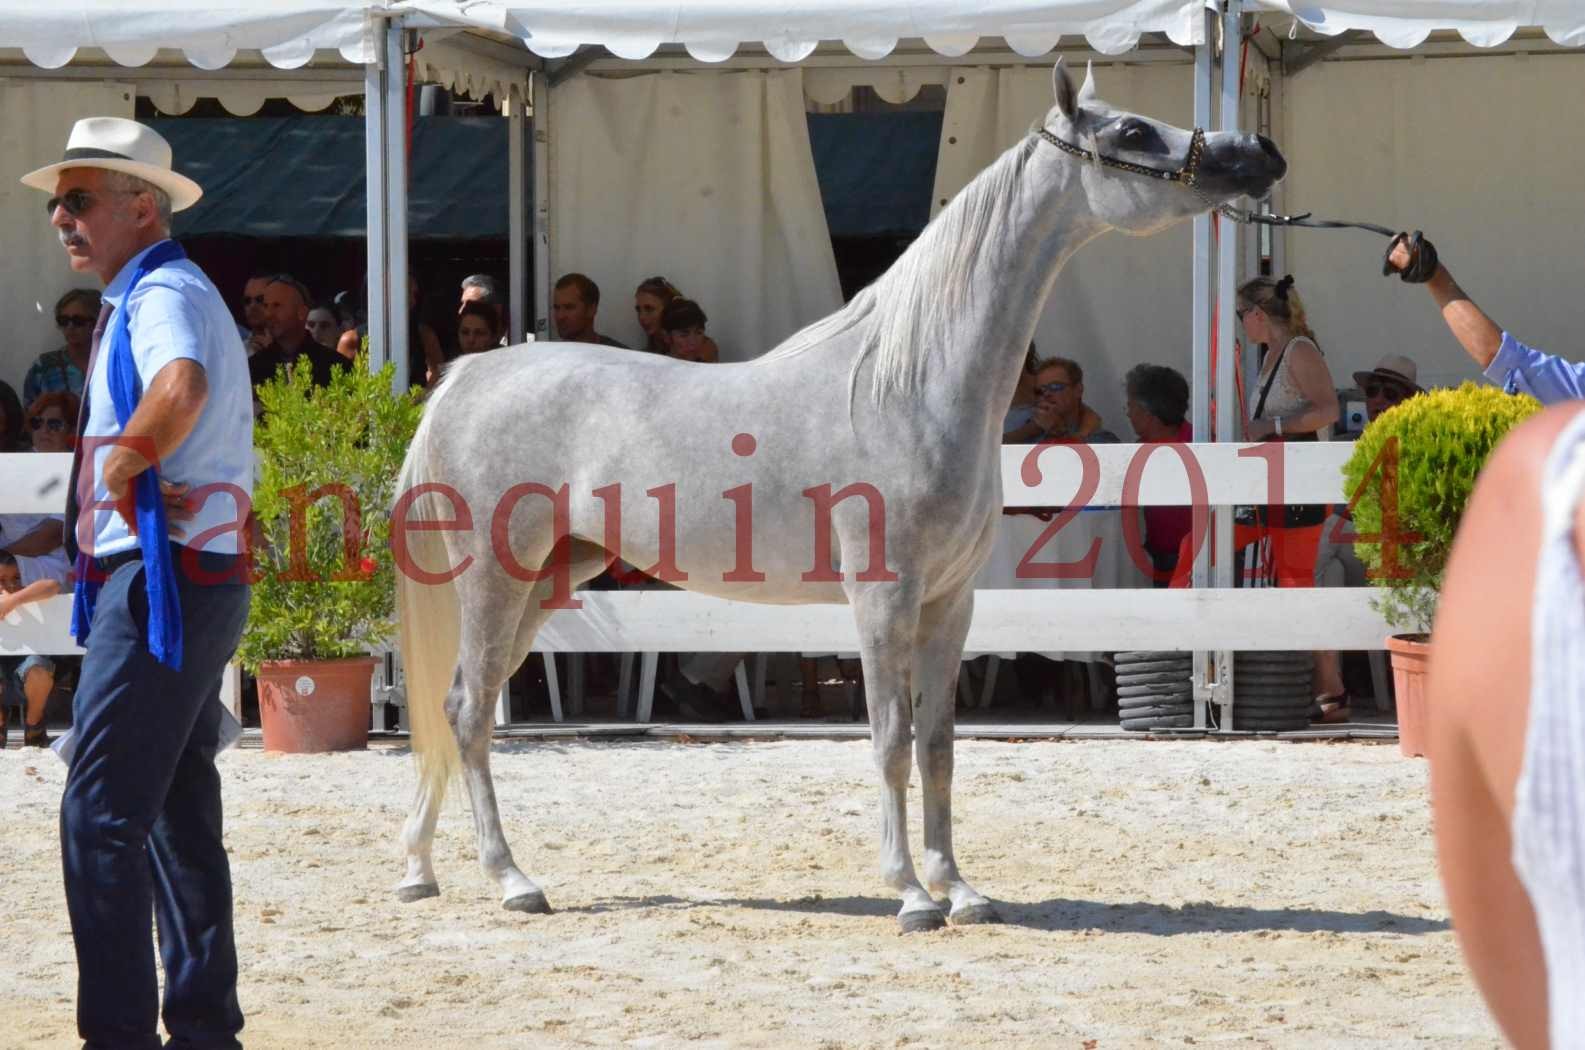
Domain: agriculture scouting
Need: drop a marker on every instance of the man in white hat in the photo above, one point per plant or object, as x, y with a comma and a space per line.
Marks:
162, 472
1505, 360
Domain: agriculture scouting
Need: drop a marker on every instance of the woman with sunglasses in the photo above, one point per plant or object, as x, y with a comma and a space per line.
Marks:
76, 313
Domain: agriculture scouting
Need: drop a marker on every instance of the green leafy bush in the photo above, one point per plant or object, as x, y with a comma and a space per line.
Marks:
311, 601
1429, 449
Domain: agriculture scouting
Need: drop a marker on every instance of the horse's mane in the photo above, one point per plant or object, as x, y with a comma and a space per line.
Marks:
903, 314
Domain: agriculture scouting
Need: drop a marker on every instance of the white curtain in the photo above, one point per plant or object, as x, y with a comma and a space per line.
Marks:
706, 179
1121, 300
33, 272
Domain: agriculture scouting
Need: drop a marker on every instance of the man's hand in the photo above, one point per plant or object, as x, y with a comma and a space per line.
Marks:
1411, 257
119, 485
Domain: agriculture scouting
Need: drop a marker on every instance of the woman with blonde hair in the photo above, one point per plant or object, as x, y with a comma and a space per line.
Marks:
649, 303
1295, 400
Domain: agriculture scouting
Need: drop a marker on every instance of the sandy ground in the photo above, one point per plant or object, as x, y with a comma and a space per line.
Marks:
726, 895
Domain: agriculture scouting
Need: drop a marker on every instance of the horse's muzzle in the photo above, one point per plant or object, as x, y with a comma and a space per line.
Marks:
1241, 164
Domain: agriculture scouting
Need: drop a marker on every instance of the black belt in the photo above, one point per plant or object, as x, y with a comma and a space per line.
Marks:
111, 562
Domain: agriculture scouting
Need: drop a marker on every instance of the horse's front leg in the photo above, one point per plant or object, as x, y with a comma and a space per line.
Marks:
943, 626
887, 617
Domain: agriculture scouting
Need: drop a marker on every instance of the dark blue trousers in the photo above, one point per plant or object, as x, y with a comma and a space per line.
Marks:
141, 820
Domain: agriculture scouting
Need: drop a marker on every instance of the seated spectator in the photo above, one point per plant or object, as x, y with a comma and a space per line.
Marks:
683, 322
1394, 379
324, 327
27, 682
649, 302
33, 567
12, 422
481, 288
253, 329
286, 316
573, 305
76, 313
477, 329
1019, 426
1158, 402
1060, 409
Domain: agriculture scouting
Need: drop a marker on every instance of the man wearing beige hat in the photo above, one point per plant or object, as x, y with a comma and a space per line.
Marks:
162, 474
1394, 379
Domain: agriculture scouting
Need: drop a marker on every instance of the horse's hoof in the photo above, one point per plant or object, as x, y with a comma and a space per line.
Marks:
921, 921
417, 892
975, 915
531, 903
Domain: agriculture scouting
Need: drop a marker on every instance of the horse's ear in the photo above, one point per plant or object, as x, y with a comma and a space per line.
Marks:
1087, 92
1062, 89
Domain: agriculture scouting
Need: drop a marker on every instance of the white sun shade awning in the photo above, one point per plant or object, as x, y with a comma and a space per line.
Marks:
209, 32
712, 30
1407, 23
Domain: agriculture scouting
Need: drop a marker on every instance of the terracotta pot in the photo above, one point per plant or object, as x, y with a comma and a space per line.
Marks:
1411, 658
308, 706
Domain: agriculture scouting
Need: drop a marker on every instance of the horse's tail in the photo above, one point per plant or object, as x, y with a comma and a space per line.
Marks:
429, 614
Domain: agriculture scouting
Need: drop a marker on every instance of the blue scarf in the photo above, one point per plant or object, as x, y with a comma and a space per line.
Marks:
159, 570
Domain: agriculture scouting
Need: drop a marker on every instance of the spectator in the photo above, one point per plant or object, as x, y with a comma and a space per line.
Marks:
27, 682
324, 327
1158, 403
1519, 368
1019, 426
12, 422
477, 329
573, 305
481, 288
33, 567
1060, 409
1506, 743
1393, 380
285, 317
649, 302
76, 313
683, 322
425, 358
255, 330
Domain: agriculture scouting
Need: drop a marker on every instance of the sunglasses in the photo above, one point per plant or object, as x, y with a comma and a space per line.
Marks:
54, 426
1051, 388
1390, 391
253, 300
80, 202
73, 321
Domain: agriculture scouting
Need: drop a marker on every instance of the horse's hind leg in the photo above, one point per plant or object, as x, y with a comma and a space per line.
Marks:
943, 626
495, 641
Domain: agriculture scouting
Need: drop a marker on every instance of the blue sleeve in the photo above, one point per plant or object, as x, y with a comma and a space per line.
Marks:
165, 325
1548, 379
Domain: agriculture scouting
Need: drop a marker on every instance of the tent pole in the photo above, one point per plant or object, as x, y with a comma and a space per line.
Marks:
397, 308
1200, 325
374, 75
541, 147
1227, 362
517, 223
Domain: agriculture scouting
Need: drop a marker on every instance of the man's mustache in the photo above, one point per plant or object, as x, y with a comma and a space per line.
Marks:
72, 239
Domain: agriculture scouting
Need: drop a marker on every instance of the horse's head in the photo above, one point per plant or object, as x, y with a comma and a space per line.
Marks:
1141, 175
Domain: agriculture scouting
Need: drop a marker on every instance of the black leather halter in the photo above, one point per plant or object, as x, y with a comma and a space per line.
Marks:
1185, 174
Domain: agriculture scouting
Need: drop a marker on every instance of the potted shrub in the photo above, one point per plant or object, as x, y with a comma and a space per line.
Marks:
1410, 476
324, 590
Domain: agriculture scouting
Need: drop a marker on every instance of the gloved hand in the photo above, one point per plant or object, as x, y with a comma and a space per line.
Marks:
1411, 257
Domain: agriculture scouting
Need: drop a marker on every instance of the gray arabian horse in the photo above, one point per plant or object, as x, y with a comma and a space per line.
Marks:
898, 398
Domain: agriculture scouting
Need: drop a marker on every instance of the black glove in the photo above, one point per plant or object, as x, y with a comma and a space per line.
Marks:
1422, 258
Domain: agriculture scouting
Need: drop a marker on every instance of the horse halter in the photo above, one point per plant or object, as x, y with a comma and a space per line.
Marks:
1185, 174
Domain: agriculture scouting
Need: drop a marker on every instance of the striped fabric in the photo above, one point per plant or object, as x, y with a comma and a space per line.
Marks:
1549, 805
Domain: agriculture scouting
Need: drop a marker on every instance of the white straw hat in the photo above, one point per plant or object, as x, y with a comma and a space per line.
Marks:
120, 145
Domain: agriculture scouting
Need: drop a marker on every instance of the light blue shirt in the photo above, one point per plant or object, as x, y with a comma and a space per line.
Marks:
177, 313
1544, 377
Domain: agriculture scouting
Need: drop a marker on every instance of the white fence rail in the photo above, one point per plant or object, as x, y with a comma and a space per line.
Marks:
1004, 620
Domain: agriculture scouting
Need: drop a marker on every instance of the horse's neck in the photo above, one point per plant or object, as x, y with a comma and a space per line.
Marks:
1046, 223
